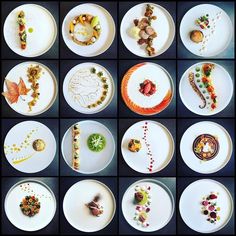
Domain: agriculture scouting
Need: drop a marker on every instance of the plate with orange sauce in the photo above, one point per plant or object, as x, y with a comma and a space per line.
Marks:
147, 88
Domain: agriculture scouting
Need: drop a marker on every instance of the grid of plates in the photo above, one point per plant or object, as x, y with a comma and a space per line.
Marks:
117, 117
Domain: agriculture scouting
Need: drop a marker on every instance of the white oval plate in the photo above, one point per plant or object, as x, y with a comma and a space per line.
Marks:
108, 30
90, 162
190, 205
163, 25
15, 195
83, 91
44, 30
161, 208
162, 152
39, 160
217, 42
47, 88
225, 147
77, 213
223, 86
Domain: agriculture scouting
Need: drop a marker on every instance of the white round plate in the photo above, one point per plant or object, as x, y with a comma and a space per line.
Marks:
78, 214
19, 137
161, 208
90, 162
18, 192
163, 25
162, 152
190, 205
47, 88
216, 42
225, 147
223, 87
108, 30
44, 30
140, 103
87, 88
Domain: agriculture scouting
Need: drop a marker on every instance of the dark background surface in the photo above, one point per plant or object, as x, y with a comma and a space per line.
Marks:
183, 65
52, 7
183, 169
110, 170
65, 7
7, 111
9, 229
8, 170
183, 182
125, 6
184, 6
169, 66
110, 110
66, 228
125, 170
125, 228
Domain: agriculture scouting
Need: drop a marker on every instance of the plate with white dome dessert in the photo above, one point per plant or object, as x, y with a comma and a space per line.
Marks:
89, 205
148, 205
201, 30
147, 88
88, 30
206, 147
88, 88
206, 88
25, 25
147, 30
141, 150
211, 205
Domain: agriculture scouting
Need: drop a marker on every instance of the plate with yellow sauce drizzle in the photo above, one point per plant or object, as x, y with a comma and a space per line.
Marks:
30, 147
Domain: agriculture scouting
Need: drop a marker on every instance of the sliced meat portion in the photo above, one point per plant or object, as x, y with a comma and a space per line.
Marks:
143, 34
143, 23
149, 30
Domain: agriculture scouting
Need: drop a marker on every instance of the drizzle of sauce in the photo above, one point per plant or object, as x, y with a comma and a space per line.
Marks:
148, 145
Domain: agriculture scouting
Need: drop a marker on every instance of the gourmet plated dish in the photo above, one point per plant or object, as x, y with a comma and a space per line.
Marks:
209, 207
30, 88
95, 208
201, 30
88, 88
143, 31
88, 147
30, 205
142, 202
206, 147
85, 29
30, 30
201, 82
147, 89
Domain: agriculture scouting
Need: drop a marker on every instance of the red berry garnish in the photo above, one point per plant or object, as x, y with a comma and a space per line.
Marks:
205, 212
212, 196
147, 210
213, 215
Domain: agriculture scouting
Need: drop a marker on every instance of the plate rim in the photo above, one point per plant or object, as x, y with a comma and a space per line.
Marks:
163, 186
34, 180
184, 76
230, 144
54, 79
220, 51
54, 23
111, 80
54, 140
103, 9
113, 142
168, 16
171, 140
226, 190
106, 187
171, 85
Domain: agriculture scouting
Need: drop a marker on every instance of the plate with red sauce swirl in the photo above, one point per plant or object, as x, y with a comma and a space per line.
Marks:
147, 147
